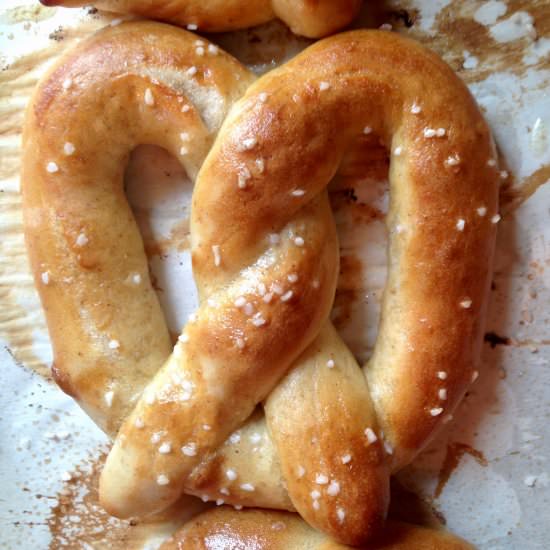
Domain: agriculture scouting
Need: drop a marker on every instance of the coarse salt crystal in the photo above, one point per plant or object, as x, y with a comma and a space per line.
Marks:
231, 475
109, 398
287, 296
148, 97
333, 489
165, 448
190, 449
68, 148
162, 480
216, 254
341, 513
81, 240
321, 479
139, 423
371, 436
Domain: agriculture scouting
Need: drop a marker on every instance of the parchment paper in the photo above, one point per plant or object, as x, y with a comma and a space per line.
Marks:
487, 476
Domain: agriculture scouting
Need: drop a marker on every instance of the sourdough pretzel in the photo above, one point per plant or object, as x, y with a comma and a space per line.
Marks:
224, 528
274, 249
265, 260
305, 17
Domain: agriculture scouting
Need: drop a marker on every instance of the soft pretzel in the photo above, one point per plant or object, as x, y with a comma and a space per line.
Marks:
263, 233
262, 530
265, 261
312, 18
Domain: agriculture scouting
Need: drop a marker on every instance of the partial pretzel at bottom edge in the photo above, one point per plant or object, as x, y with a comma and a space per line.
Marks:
251, 529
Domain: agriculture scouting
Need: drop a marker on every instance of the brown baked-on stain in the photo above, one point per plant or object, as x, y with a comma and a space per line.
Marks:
456, 31
78, 519
349, 285
494, 340
513, 196
455, 451
408, 506
179, 239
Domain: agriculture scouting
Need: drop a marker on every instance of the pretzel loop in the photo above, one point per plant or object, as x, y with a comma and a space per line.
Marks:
128, 85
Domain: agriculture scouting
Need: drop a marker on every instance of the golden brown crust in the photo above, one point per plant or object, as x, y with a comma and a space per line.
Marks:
269, 530
312, 18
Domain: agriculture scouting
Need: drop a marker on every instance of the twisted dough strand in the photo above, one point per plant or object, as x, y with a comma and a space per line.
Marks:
312, 18
287, 136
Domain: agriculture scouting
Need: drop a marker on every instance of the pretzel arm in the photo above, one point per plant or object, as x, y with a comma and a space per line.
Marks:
338, 480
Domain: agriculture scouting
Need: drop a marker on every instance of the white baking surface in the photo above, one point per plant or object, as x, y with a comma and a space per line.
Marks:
498, 495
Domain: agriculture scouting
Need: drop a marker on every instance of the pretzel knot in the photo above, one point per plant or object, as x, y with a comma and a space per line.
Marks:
312, 18
265, 259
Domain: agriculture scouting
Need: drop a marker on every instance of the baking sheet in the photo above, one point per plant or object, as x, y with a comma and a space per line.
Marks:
487, 476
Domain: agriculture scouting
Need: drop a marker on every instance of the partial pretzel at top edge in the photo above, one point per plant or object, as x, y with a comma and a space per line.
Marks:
298, 122
304, 17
